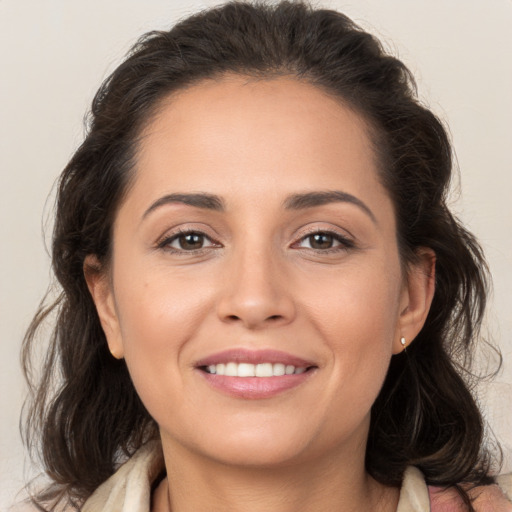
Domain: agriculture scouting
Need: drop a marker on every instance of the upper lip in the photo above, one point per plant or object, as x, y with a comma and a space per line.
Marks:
243, 355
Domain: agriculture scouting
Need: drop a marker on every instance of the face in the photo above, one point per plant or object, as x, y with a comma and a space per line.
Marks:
256, 291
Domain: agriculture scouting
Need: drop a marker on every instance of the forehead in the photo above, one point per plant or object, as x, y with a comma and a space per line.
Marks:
236, 135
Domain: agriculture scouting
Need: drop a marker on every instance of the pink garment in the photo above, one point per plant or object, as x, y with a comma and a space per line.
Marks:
489, 498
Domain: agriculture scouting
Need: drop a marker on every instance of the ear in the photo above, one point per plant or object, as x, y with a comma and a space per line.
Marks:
100, 288
416, 298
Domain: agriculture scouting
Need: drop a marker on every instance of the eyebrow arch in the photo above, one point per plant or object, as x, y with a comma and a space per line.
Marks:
293, 202
199, 200
312, 199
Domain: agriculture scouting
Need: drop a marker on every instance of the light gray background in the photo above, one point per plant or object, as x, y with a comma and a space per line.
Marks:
55, 53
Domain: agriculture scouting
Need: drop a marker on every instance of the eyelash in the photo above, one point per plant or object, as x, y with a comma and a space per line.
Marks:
165, 243
345, 243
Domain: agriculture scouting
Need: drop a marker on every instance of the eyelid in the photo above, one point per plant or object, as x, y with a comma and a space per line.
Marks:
345, 241
169, 237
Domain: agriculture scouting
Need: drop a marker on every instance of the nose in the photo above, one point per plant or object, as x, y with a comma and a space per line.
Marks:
256, 292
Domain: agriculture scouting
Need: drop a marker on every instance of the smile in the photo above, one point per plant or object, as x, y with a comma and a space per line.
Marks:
233, 369
250, 374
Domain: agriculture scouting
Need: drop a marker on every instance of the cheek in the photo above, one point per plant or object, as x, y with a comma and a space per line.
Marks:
356, 306
159, 314
357, 318
157, 306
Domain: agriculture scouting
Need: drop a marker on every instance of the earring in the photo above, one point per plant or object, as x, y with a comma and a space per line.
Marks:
403, 342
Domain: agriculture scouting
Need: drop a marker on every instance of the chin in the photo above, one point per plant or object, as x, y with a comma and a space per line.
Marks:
249, 446
256, 453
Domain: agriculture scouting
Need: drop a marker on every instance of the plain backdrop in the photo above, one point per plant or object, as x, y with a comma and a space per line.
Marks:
54, 55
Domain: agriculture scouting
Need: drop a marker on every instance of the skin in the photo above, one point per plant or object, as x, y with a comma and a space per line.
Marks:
260, 282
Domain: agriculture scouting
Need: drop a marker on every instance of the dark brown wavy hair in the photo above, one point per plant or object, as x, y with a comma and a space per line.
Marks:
83, 415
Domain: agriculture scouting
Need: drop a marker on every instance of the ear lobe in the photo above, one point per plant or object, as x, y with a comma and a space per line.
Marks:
416, 298
102, 294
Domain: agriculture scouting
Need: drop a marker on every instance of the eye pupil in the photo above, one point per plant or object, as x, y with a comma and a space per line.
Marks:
191, 241
321, 241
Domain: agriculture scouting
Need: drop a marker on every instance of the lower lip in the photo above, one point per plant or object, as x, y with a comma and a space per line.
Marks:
254, 388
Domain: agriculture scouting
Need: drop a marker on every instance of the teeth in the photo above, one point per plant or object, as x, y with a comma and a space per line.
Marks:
264, 370
232, 369
245, 370
278, 369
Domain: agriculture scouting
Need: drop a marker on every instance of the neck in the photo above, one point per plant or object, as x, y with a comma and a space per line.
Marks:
194, 483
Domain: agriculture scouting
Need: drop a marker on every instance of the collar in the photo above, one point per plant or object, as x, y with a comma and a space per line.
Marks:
129, 488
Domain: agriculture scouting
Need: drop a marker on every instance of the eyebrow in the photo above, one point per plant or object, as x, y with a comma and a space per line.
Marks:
293, 202
199, 200
312, 199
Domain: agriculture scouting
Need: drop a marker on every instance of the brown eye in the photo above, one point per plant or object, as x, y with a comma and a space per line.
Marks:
325, 241
321, 241
190, 241
187, 241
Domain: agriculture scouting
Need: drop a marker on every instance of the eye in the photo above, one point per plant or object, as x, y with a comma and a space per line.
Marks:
187, 241
325, 240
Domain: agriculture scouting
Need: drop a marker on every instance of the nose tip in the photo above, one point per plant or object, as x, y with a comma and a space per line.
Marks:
256, 297
253, 315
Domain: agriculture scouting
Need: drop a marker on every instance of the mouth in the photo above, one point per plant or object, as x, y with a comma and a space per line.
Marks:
254, 374
262, 370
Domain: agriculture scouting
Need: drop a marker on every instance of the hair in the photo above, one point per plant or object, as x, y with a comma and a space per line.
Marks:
84, 414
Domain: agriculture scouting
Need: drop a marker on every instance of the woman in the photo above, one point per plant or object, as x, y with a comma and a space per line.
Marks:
266, 303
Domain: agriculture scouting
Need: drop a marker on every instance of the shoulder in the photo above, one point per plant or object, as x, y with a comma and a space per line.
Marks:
129, 488
488, 498
417, 496
505, 484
